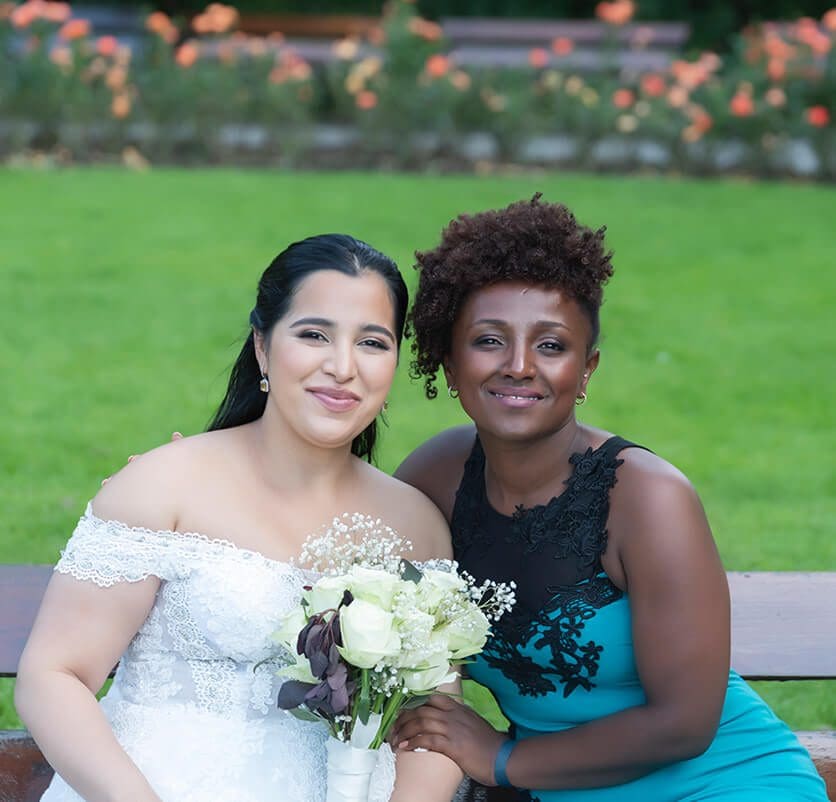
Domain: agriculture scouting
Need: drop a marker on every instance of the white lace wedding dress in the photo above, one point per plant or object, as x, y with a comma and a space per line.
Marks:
188, 703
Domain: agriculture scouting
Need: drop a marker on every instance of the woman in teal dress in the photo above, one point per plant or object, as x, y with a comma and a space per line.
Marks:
613, 669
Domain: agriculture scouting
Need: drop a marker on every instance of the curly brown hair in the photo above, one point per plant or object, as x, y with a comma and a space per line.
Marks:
532, 241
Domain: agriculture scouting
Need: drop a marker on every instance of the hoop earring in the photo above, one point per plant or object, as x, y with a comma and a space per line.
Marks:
580, 400
453, 392
264, 384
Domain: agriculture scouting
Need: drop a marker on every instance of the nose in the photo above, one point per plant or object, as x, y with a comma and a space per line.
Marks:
340, 363
520, 364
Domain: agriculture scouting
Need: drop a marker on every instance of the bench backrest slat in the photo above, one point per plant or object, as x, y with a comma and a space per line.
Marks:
21, 590
783, 623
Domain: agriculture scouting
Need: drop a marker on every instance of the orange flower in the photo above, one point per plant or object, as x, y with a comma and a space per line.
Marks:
741, 104
366, 100
61, 56
107, 46
617, 12
55, 12
430, 31
187, 54
120, 106
460, 80
74, 29
677, 96
116, 78
829, 19
376, 35
159, 24
538, 58
817, 116
23, 15
653, 85
437, 66
562, 46
776, 69
776, 97
623, 98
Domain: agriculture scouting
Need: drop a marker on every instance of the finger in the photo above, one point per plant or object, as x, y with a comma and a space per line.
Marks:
415, 728
176, 436
432, 743
132, 457
441, 702
105, 481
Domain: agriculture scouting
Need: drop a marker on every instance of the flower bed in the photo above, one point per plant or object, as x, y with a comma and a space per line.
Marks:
207, 93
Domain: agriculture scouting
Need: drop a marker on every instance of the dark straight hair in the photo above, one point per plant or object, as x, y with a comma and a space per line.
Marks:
244, 402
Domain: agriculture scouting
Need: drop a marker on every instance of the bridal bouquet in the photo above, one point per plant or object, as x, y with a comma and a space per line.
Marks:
373, 635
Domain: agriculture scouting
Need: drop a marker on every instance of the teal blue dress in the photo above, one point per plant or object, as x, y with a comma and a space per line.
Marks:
565, 655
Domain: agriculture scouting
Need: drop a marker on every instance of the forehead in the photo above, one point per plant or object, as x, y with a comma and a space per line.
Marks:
518, 302
342, 297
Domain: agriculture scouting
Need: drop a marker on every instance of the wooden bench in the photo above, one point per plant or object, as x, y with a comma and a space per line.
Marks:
487, 42
782, 629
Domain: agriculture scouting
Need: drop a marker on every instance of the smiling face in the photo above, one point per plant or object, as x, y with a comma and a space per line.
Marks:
331, 359
519, 358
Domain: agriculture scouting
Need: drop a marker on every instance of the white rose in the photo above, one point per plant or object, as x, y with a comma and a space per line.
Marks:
436, 585
326, 594
373, 585
368, 634
467, 633
427, 679
291, 625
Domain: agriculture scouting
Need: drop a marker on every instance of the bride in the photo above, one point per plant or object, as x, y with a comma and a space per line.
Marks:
183, 564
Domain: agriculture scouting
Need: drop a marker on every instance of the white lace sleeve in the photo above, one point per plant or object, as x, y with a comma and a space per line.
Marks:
107, 552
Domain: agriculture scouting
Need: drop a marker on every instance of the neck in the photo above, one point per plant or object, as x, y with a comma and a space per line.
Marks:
290, 465
530, 471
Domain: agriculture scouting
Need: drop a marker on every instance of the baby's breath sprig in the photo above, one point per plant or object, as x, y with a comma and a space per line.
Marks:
354, 539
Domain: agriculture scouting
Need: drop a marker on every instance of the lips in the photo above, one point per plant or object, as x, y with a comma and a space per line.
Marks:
516, 397
335, 399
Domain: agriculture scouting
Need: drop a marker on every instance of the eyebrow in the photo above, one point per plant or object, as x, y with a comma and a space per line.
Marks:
330, 324
543, 324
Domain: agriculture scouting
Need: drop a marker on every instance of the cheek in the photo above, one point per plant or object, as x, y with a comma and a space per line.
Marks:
293, 361
379, 372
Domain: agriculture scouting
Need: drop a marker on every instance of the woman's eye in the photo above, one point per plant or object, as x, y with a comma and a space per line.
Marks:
313, 335
379, 344
488, 341
552, 345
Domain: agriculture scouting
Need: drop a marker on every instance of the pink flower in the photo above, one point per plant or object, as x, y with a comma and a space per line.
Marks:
366, 100
623, 98
562, 46
741, 104
653, 85
107, 46
538, 58
74, 29
817, 116
617, 12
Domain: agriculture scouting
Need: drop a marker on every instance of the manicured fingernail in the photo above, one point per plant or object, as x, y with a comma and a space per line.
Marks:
403, 744
176, 434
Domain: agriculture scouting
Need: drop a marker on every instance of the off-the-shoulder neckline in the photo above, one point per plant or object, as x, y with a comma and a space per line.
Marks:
195, 536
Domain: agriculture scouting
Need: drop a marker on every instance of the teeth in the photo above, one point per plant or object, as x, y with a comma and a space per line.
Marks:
517, 397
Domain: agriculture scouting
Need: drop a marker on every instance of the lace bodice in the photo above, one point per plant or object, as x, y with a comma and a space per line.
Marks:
211, 623
200, 674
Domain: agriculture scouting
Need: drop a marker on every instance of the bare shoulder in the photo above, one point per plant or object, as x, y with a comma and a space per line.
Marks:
147, 491
437, 465
414, 516
655, 506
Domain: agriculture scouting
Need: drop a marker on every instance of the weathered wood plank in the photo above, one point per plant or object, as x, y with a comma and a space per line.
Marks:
21, 590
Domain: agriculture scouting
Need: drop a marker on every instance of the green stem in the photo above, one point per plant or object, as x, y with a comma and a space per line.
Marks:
390, 713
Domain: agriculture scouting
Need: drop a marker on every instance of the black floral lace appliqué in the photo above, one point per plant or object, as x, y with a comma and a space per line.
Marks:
558, 627
558, 542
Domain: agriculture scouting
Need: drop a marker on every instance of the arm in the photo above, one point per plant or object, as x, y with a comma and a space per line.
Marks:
80, 633
680, 623
426, 776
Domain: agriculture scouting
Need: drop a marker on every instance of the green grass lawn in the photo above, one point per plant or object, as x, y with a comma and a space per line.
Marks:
125, 297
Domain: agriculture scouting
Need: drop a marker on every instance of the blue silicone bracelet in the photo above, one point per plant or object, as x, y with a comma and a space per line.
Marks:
500, 776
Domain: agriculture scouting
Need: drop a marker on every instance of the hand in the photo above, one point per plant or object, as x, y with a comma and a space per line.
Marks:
446, 726
175, 436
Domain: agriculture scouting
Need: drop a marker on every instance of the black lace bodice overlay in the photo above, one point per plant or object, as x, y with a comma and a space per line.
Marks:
553, 552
